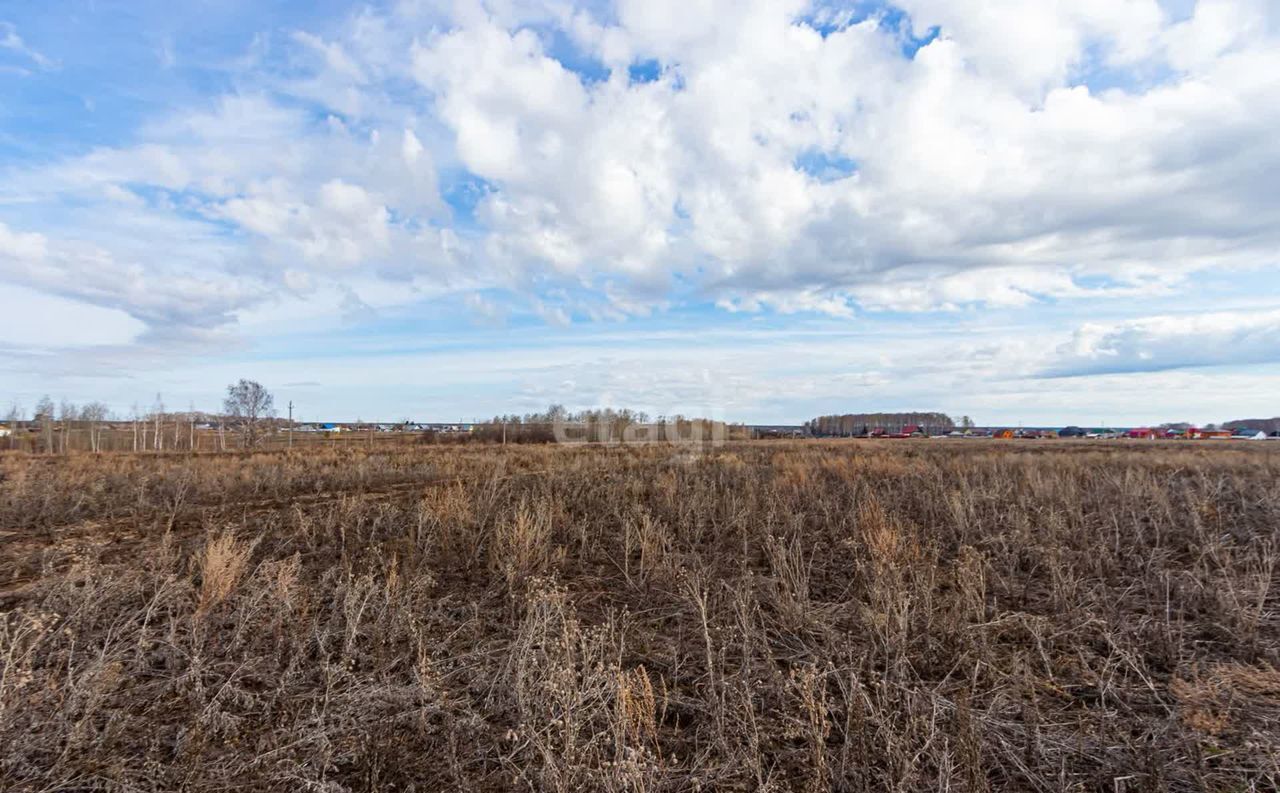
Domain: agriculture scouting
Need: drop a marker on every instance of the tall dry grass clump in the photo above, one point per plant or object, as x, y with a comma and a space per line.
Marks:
223, 563
647, 547
522, 545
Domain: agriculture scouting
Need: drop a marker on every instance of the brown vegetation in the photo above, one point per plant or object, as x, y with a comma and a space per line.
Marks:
785, 616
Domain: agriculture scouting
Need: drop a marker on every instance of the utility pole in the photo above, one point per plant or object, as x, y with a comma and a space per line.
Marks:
290, 423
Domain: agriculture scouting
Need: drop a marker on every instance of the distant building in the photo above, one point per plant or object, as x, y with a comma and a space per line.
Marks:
429, 426
1214, 434
777, 431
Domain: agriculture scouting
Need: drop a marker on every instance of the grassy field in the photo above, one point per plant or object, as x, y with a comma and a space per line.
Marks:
805, 616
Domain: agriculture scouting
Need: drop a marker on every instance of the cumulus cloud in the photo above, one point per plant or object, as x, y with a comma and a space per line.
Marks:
215, 210
970, 158
342, 225
787, 156
1035, 46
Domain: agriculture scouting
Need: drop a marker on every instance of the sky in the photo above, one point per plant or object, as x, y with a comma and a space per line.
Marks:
1048, 213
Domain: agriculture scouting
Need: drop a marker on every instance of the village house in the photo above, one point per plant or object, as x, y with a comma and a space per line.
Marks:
1195, 433
1249, 435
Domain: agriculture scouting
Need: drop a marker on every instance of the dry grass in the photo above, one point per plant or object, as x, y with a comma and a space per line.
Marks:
223, 563
846, 616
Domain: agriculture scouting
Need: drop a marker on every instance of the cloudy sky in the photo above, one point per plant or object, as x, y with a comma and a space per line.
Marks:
1061, 211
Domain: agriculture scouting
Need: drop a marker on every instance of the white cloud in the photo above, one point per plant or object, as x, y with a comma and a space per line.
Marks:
1217, 28
1170, 342
1084, 153
172, 300
485, 310
976, 160
12, 42
977, 172
584, 175
1034, 46
22, 246
38, 321
343, 225
742, 374
297, 195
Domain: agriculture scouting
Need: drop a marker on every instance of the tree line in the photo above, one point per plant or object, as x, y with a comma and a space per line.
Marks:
248, 419
57, 428
1264, 425
601, 425
851, 425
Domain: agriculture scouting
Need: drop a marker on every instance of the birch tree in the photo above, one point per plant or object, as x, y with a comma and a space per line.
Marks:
44, 417
94, 414
157, 412
66, 415
248, 403
12, 419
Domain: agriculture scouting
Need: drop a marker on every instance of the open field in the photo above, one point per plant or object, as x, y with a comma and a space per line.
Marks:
813, 616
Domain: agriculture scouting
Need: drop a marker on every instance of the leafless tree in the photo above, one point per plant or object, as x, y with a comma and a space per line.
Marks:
66, 414
248, 403
94, 414
44, 416
136, 415
157, 413
12, 418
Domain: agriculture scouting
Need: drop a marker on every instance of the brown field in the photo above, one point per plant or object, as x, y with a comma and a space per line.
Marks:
852, 616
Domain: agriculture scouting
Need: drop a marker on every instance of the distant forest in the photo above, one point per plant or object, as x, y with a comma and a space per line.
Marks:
607, 425
1266, 425
852, 424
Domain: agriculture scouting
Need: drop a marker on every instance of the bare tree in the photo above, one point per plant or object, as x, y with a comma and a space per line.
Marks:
157, 412
66, 414
137, 415
12, 419
94, 414
44, 416
248, 403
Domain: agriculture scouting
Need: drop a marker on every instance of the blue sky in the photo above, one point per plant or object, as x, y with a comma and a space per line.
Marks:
762, 211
